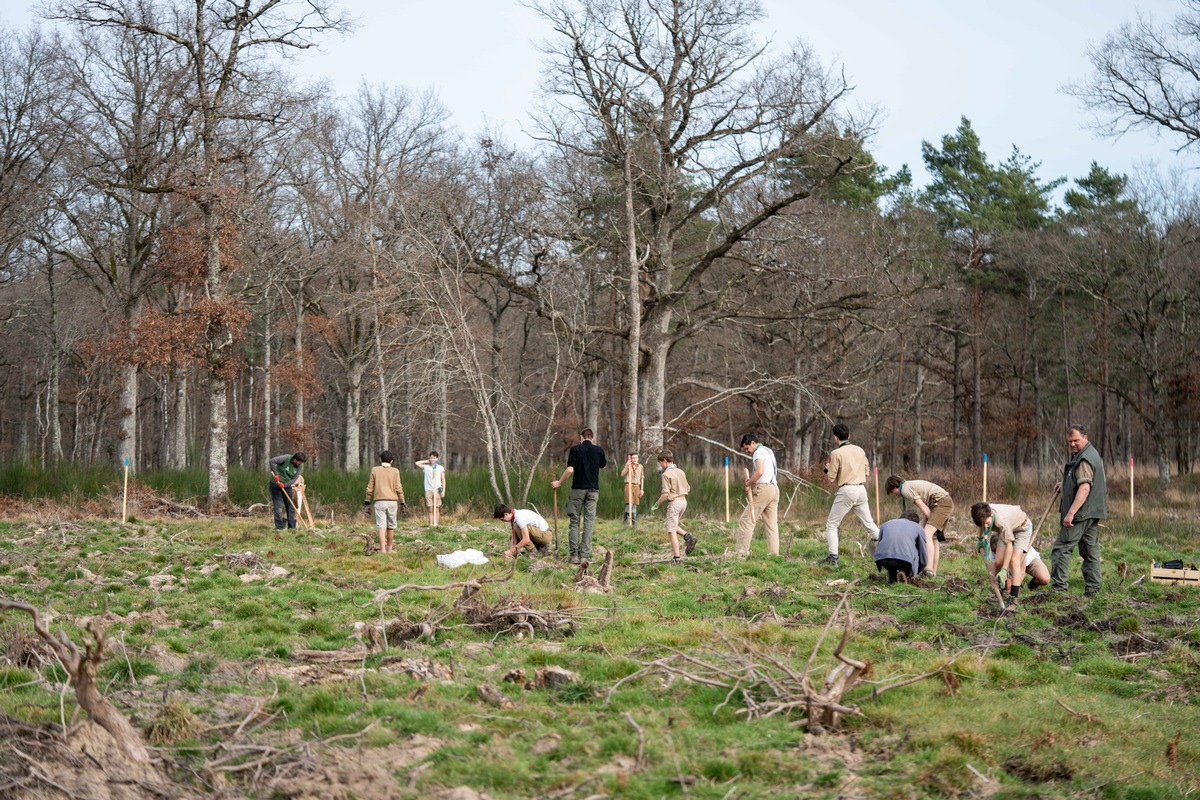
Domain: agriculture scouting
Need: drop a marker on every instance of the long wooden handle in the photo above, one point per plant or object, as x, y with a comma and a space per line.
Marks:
1049, 508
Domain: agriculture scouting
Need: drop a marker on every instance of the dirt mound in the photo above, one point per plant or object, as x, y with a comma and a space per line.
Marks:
364, 773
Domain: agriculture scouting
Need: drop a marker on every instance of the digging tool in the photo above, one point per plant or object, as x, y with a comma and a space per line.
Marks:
303, 506
1049, 508
987, 548
286, 494
749, 496
556, 523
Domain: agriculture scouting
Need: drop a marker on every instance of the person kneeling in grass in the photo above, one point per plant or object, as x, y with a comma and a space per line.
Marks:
529, 530
901, 547
675, 489
1010, 535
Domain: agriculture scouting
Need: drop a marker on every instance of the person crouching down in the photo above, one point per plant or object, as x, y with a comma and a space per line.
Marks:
675, 490
901, 547
529, 530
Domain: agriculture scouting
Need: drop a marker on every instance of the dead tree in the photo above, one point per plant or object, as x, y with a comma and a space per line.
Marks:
82, 669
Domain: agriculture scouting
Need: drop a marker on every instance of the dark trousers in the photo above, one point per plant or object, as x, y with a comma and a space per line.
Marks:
280, 505
894, 566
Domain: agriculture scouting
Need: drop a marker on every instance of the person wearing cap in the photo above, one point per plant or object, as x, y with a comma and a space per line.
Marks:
285, 470
847, 470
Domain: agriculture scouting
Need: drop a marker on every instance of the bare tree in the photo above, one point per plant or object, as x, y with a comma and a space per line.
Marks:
231, 97
679, 97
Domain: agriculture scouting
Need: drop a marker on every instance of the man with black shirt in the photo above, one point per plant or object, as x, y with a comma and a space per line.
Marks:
584, 462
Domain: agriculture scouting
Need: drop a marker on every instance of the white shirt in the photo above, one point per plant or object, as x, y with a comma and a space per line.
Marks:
432, 479
767, 457
523, 517
1031, 556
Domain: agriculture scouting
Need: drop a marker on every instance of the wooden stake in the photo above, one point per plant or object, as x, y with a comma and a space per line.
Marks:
1131, 488
985, 477
749, 496
727, 488
878, 509
555, 523
125, 493
1049, 508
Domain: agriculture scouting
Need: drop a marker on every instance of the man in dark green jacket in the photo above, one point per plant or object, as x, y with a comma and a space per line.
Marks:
1084, 503
284, 470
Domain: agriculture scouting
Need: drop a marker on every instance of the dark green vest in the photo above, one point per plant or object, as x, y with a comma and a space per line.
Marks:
1096, 505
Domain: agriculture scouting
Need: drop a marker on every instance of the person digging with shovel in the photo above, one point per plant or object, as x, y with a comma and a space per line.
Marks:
285, 470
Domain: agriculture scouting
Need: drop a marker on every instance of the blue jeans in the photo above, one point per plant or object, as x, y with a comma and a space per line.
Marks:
582, 500
279, 505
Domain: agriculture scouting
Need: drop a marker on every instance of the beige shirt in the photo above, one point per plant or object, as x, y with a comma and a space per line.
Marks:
674, 483
1006, 519
385, 484
634, 474
848, 465
928, 493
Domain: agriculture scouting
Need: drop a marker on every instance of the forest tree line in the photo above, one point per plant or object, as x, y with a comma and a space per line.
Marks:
203, 261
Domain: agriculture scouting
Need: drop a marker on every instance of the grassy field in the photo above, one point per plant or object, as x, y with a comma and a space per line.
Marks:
212, 624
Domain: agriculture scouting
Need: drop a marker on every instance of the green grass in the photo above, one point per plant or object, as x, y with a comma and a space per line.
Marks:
1048, 704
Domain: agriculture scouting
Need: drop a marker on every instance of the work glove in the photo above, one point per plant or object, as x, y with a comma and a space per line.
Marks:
654, 508
404, 509
366, 507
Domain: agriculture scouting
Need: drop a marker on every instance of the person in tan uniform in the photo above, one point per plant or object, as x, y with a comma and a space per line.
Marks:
635, 486
847, 470
385, 490
675, 490
1008, 531
763, 502
935, 507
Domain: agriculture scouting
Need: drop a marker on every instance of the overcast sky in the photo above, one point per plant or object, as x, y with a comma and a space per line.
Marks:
924, 63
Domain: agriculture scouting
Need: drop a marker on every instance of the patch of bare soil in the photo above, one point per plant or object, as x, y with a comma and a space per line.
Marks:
364, 773
36, 762
1038, 771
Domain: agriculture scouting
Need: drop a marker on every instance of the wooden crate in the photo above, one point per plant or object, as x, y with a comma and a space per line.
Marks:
1185, 577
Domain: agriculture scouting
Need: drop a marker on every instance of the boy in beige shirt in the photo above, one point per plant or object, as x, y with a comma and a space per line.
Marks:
385, 489
675, 489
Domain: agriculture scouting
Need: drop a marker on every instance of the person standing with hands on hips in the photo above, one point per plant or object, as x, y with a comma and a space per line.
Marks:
847, 470
584, 462
435, 485
1084, 503
763, 491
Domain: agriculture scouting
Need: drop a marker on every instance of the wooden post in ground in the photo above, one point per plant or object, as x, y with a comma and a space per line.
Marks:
878, 508
125, 493
1131, 488
727, 488
749, 496
985, 477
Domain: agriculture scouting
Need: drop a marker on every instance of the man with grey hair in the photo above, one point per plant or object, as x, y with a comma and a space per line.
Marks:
1084, 503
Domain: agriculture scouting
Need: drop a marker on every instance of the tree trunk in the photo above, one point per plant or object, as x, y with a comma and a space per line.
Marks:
977, 381
654, 391
634, 352
352, 456
918, 438
177, 458
591, 395
127, 409
954, 460
218, 442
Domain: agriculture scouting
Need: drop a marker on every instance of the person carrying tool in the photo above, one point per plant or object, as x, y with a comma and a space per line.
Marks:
1007, 530
435, 485
635, 486
762, 501
285, 470
675, 490
383, 487
935, 507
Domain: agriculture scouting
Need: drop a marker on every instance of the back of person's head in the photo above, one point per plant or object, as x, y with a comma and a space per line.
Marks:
299, 456
667, 455
501, 511
749, 438
586, 433
841, 431
386, 457
893, 483
979, 513
911, 516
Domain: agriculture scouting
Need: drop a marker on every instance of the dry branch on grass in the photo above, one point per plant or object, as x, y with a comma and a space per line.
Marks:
768, 686
82, 669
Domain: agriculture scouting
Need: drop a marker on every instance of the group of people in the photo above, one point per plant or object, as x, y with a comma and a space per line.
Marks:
909, 544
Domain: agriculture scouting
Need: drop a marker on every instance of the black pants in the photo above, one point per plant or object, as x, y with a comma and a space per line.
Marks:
894, 566
279, 505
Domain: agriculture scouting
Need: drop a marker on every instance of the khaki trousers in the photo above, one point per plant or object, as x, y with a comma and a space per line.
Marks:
765, 502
